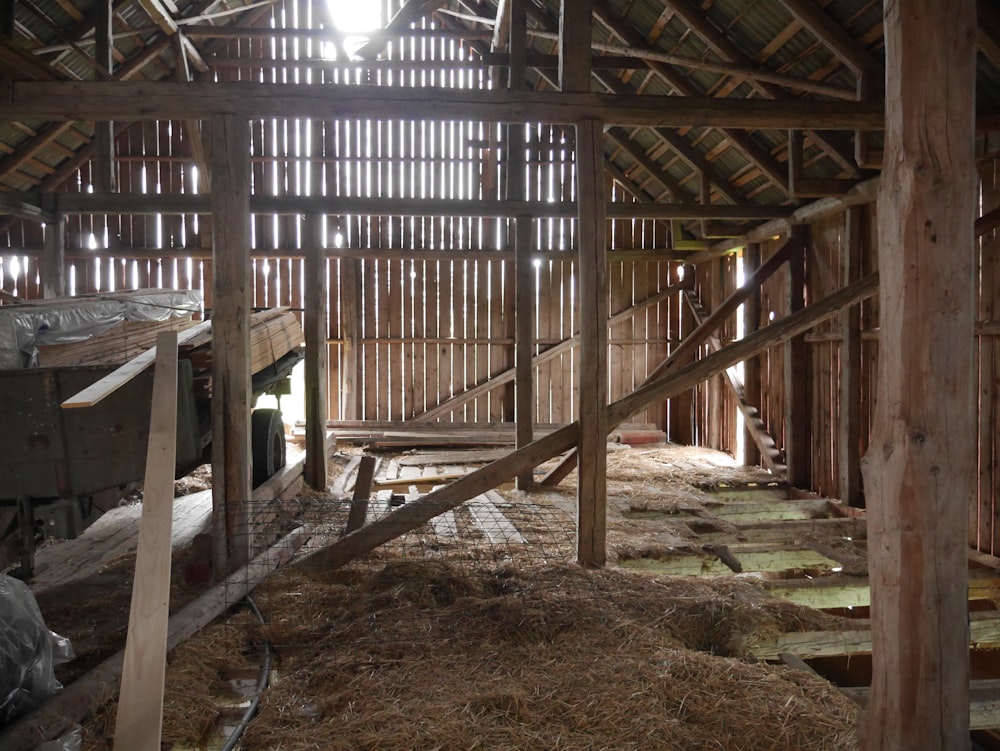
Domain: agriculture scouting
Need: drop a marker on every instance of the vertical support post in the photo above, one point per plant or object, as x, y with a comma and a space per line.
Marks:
984, 530
681, 425
920, 469
751, 367
849, 437
714, 385
796, 373
593, 446
231, 467
524, 304
575, 19
54, 262
350, 317
104, 132
317, 295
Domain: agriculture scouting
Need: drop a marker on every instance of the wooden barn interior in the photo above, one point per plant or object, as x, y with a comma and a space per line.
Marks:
558, 246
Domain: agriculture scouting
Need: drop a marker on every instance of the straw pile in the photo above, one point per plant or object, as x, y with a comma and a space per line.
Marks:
431, 656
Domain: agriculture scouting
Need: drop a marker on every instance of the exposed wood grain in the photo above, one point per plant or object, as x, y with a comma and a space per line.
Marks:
849, 426
231, 457
920, 467
139, 720
113, 381
167, 100
575, 19
593, 379
317, 354
797, 437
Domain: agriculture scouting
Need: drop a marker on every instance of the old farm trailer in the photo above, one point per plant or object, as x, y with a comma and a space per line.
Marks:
61, 468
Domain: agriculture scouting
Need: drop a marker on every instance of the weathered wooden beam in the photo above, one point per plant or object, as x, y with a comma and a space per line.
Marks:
575, 20
919, 471
196, 30
317, 351
795, 361
231, 456
188, 203
723, 46
849, 424
680, 83
833, 35
592, 446
412, 515
162, 100
351, 314
752, 367
860, 194
984, 702
54, 260
501, 27
983, 633
638, 57
655, 170
524, 320
161, 15
103, 387
362, 493
835, 592
104, 130
24, 207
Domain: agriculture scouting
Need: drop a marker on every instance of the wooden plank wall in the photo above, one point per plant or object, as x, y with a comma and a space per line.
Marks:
426, 329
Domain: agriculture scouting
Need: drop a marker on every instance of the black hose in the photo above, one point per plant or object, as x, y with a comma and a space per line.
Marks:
262, 684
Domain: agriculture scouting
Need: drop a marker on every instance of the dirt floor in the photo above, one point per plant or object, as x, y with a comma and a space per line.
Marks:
479, 631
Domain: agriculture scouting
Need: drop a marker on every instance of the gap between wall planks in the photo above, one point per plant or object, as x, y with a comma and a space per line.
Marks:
139, 721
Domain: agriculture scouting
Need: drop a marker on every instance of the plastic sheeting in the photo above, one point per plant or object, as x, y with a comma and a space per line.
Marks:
28, 652
73, 319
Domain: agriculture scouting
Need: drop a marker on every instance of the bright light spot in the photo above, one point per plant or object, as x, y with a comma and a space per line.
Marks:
837, 569
338, 240
680, 273
353, 18
92, 241
771, 316
15, 268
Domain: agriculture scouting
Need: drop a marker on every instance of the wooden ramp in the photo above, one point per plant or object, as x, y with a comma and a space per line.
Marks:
116, 533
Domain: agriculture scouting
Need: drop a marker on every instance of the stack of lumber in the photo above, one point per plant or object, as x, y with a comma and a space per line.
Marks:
273, 334
115, 345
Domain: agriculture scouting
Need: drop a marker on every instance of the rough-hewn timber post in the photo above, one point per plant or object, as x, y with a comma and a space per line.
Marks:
592, 448
231, 468
920, 467
317, 350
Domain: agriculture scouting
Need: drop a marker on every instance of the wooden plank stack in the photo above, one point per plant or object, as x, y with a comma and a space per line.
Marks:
115, 345
273, 334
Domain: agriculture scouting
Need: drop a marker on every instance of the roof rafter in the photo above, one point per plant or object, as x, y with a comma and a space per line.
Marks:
680, 84
724, 47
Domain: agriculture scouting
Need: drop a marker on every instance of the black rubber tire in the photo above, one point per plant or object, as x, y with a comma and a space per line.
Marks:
267, 444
